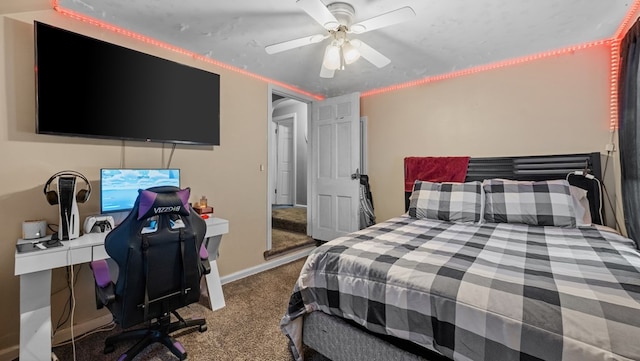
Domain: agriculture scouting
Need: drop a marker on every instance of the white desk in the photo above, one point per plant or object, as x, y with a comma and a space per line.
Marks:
34, 269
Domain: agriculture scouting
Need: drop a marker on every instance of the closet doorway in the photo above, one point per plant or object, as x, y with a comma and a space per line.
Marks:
288, 175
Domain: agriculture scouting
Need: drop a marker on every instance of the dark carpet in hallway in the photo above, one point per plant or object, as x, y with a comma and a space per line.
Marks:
289, 231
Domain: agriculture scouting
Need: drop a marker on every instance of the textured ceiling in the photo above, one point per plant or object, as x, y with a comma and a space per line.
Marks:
444, 36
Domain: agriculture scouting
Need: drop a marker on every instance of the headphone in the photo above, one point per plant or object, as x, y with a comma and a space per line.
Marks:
82, 195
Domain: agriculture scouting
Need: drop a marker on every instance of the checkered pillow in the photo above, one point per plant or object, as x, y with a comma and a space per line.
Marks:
455, 202
543, 203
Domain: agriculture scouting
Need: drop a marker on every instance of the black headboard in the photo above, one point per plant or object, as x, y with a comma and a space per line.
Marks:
542, 167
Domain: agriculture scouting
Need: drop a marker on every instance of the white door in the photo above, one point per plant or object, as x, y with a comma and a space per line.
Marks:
334, 158
285, 163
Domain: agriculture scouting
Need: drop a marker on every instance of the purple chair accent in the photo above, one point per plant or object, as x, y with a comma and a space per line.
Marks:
204, 254
204, 259
184, 195
147, 199
178, 345
105, 292
101, 272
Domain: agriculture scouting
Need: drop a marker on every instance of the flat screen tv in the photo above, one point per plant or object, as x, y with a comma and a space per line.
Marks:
91, 88
119, 186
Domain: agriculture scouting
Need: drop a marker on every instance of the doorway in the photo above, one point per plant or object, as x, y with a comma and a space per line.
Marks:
285, 163
288, 175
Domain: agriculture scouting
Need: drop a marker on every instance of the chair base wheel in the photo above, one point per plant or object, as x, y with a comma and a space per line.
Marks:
158, 331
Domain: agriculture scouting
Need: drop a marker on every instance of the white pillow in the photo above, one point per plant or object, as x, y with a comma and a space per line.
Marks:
581, 206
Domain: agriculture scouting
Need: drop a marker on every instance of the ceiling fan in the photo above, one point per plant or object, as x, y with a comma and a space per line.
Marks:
337, 19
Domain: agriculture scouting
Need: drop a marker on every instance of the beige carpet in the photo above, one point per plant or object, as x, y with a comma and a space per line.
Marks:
246, 329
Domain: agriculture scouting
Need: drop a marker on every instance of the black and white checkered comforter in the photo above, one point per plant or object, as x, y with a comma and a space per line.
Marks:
491, 292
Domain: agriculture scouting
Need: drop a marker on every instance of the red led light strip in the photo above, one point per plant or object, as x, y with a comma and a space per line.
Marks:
482, 68
176, 49
613, 43
614, 74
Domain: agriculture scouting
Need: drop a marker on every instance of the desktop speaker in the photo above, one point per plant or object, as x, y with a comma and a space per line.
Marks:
34, 229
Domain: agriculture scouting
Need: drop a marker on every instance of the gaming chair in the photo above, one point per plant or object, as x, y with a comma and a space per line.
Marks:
160, 258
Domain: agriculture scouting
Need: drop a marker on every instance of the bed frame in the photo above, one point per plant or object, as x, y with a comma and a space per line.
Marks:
337, 339
342, 340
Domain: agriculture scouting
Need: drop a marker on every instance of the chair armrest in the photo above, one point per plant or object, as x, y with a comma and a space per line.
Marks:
105, 290
205, 265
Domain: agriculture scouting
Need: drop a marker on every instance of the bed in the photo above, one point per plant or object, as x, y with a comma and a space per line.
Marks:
475, 277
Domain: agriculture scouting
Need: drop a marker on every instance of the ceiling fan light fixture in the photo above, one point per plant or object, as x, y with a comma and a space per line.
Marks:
332, 57
337, 18
350, 53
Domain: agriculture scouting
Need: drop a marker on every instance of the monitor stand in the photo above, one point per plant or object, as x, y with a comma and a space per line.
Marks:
118, 217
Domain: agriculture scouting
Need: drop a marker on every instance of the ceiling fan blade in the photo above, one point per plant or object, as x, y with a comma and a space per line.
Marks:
384, 20
295, 43
369, 53
319, 12
326, 72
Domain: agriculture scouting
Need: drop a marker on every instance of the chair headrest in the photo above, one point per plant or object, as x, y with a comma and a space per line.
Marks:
163, 200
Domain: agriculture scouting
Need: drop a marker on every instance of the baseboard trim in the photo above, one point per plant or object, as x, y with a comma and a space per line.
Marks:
268, 255
10, 353
288, 258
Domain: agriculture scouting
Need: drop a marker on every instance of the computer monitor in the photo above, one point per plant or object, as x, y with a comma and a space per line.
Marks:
119, 186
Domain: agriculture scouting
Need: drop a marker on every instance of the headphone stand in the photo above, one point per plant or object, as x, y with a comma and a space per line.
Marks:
69, 226
67, 200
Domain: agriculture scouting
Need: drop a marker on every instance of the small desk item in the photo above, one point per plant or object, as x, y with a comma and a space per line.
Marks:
32, 245
34, 269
